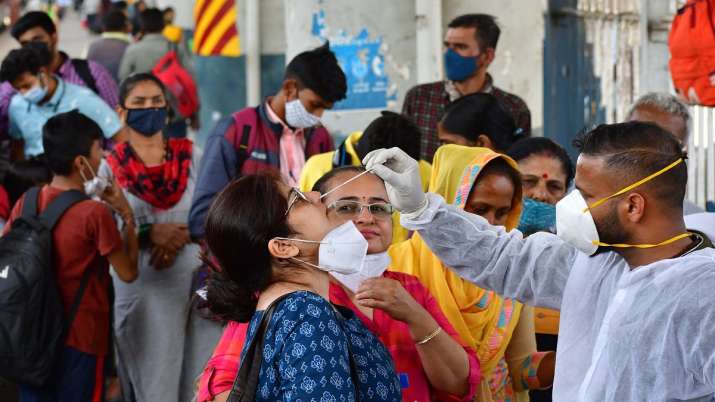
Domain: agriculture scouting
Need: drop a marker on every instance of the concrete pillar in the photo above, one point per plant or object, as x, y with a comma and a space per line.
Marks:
252, 48
429, 40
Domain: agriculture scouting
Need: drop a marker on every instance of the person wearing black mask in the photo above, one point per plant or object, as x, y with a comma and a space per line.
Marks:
158, 178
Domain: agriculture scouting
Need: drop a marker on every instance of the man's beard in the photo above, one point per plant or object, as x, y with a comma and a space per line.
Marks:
610, 230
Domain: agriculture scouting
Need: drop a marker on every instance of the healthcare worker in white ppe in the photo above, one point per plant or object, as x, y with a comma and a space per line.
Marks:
635, 289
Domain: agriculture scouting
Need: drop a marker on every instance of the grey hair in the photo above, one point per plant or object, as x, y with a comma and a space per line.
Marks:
665, 102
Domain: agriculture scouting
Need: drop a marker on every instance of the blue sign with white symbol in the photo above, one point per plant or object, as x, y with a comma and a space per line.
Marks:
363, 64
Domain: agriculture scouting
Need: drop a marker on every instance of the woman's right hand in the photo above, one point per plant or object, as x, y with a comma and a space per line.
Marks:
169, 236
402, 179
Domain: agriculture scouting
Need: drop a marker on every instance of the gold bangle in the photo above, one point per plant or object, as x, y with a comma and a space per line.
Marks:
430, 336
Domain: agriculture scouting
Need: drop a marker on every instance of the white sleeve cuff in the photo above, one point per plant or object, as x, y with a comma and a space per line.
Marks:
418, 219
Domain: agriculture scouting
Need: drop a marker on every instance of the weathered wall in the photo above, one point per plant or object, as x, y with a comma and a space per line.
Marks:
518, 67
389, 50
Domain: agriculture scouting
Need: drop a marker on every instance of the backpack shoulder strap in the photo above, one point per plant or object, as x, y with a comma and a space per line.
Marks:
29, 203
82, 68
57, 208
246, 382
78, 297
49, 217
244, 123
242, 150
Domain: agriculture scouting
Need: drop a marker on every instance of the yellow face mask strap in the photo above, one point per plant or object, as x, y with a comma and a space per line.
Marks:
634, 185
665, 243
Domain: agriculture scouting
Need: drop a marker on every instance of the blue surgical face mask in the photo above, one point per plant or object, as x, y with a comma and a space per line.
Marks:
147, 121
37, 93
537, 216
458, 67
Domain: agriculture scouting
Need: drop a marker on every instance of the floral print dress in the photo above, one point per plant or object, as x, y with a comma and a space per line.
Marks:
305, 354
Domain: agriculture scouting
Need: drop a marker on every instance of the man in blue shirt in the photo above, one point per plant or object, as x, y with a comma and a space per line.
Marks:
42, 95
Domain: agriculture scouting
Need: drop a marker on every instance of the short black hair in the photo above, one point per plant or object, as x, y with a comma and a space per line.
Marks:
130, 82
152, 20
31, 20
25, 174
479, 113
526, 147
319, 71
390, 130
635, 150
321, 185
486, 26
115, 21
27, 59
119, 6
66, 136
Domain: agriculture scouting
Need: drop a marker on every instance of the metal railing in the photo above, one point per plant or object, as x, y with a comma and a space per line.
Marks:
701, 153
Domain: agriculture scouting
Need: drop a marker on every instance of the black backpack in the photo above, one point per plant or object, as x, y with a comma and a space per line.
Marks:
33, 326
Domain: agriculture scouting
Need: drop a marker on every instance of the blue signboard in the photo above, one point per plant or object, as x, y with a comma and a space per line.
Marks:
363, 64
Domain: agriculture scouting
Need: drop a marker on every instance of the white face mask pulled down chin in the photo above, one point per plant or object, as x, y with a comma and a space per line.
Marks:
95, 186
343, 250
375, 265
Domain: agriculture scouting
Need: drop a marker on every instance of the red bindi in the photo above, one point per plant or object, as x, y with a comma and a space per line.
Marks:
545, 176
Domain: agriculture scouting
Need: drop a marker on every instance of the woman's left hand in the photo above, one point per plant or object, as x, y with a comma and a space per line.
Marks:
389, 296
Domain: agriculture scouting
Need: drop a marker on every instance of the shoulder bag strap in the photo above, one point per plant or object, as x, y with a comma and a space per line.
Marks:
351, 359
246, 382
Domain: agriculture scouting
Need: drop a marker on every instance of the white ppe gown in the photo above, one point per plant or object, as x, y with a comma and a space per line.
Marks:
646, 334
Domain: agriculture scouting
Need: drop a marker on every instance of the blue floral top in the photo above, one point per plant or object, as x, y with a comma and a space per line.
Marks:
305, 355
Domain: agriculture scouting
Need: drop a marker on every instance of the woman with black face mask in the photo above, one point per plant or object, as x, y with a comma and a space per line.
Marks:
161, 343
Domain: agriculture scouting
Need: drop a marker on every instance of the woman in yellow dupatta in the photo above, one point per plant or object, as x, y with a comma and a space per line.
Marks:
501, 330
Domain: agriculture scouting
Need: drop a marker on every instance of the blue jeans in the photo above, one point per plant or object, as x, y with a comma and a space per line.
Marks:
77, 379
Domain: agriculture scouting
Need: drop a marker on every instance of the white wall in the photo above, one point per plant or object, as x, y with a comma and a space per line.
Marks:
518, 67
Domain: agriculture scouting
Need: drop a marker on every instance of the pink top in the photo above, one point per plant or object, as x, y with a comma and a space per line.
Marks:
221, 369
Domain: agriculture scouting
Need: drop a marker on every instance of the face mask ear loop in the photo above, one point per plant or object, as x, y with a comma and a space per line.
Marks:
634, 185
84, 178
664, 243
344, 183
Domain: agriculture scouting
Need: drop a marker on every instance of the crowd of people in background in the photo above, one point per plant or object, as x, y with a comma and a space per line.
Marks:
274, 262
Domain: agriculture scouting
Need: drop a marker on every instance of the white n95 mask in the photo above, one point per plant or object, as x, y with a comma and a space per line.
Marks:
375, 265
342, 250
575, 224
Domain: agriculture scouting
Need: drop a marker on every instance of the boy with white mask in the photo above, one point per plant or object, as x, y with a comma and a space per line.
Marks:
278, 135
429, 357
635, 294
85, 241
41, 95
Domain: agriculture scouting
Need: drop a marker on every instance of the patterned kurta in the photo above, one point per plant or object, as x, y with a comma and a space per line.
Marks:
305, 354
